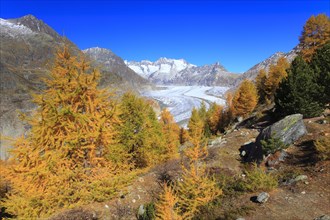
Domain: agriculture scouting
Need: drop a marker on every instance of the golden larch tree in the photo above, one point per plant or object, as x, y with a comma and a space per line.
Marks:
195, 126
214, 118
140, 131
171, 132
260, 85
315, 34
276, 74
64, 160
196, 188
245, 99
166, 206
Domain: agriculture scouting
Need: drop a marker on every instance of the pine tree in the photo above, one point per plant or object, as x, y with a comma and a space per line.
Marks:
315, 34
171, 132
166, 206
65, 160
245, 99
320, 64
299, 92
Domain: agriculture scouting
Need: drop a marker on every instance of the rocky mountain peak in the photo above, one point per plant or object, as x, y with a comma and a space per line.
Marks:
36, 25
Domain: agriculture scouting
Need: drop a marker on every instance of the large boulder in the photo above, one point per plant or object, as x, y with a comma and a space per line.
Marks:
287, 130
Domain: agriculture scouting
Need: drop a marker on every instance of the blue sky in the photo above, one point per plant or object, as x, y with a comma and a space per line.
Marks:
236, 33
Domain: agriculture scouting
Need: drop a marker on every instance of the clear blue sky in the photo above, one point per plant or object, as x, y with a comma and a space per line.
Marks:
236, 33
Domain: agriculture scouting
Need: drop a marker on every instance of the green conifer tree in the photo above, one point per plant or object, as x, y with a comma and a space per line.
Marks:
299, 91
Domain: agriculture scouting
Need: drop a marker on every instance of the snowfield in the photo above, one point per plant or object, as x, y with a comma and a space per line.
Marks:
180, 100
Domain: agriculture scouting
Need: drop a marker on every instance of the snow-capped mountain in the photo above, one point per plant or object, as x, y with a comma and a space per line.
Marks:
160, 71
167, 71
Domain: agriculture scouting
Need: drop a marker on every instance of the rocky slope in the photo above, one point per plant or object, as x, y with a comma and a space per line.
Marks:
110, 62
28, 46
254, 71
179, 72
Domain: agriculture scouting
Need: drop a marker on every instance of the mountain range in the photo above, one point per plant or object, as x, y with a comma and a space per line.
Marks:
179, 72
167, 71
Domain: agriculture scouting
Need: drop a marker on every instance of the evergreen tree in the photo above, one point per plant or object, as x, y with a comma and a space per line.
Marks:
65, 160
315, 34
299, 91
245, 99
320, 63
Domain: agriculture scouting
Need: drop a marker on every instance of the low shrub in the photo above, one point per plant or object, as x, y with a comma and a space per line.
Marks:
322, 146
272, 145
149, 213
257, 179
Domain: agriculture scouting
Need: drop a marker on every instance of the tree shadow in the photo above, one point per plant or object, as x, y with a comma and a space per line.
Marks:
305, 156
251, 152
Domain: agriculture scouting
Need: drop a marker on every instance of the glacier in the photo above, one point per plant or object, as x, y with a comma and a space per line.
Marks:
180, 100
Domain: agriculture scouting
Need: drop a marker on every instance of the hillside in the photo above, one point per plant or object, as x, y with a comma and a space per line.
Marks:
28, 47
265, 64
107, 61
302, 200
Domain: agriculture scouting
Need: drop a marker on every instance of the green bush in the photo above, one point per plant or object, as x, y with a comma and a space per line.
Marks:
272, 145
150, 212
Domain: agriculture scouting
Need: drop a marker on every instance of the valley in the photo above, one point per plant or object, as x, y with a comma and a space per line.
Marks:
180, 100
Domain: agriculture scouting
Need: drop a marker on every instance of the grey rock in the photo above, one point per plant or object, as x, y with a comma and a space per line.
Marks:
240, 219
240, 119
141, 210
263, 197
300, 178
323, 217
283, 155
288, 130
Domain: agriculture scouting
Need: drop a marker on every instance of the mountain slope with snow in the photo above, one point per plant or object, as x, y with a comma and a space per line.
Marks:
167, 71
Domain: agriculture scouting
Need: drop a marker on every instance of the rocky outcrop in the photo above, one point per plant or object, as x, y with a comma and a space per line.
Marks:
287, 130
